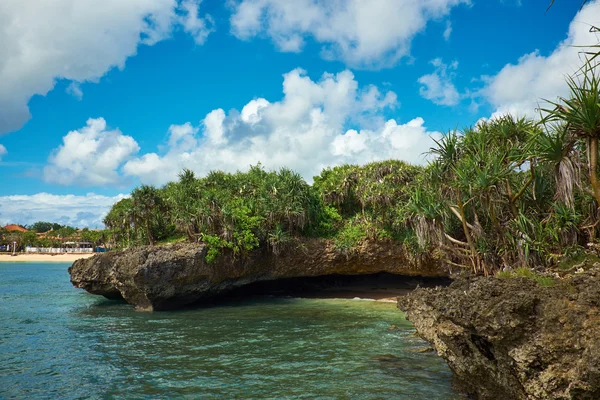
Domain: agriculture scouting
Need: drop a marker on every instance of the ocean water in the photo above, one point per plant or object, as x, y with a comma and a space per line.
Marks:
60, 342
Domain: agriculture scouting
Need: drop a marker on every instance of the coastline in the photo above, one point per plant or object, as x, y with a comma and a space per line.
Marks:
24, 257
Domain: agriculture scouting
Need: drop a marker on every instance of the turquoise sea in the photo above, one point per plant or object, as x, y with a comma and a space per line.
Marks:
60, 342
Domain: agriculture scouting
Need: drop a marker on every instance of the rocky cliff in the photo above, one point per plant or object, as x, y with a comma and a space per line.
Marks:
514, 339
167, 277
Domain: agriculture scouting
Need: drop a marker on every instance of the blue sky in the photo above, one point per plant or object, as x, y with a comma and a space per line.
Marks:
96, 100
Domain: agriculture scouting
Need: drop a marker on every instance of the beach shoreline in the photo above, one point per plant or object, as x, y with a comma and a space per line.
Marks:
366, 293
29, 257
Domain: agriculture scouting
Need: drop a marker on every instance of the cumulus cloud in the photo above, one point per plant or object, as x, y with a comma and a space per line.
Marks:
518, 88
307, 130
361, 33
43, 41
438, 86
90, 156
3, 151
408, 142
80, 211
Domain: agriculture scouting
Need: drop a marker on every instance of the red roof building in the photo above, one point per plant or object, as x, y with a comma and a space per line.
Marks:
15, 228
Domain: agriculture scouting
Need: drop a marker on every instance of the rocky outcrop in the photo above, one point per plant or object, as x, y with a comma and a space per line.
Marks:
167, 277
514, 339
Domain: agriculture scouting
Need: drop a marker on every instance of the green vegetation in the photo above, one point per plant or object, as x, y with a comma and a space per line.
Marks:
578, 260
42, 226
506, 192
542, 280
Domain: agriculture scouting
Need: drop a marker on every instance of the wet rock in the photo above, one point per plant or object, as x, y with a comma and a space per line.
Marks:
426, 349
168, 277
514, 339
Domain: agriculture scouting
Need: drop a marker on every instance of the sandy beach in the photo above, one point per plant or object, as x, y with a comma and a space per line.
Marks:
385, 295
21, 257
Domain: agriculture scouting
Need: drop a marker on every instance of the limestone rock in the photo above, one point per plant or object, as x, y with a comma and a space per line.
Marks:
167, 277
513, 339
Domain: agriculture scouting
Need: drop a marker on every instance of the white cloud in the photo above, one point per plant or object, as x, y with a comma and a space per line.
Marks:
518, 88
90, 156
408, 142
74, 89
198, 27
182, 136
305, 131
80, 211
370, 34
251, 111
448, 31
438, 86
42, 41
3, 151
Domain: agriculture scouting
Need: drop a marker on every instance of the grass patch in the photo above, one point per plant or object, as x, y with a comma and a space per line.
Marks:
579, 259
172, 239
523, 272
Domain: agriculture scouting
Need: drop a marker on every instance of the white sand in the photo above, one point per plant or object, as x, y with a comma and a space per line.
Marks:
21, 257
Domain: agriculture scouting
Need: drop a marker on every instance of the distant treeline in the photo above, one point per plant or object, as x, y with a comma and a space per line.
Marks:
49, 234
42, 227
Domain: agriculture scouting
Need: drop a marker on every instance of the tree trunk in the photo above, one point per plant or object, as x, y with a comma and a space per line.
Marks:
593, 160
513, 207
190, 233
149, 232
513, 198
461, 210
594, 169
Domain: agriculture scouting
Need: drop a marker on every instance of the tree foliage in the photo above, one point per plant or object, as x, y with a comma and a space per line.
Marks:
42, 226
505, 192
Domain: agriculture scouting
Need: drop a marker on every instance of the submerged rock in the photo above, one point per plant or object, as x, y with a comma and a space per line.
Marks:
514, 339
167, 277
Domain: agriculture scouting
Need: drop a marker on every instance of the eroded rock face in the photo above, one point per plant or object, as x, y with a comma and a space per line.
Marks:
513, 339
167, 277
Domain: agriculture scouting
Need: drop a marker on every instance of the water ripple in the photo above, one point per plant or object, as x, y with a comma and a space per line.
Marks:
58, 342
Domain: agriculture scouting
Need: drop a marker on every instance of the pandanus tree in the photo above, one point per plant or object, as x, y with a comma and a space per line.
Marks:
425, 212
482, 177
463, 175
579, 113
147, 203
555, 147
120, 221
291, 200
381, 185
336, 185
445, 172
369, 194
182, 198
